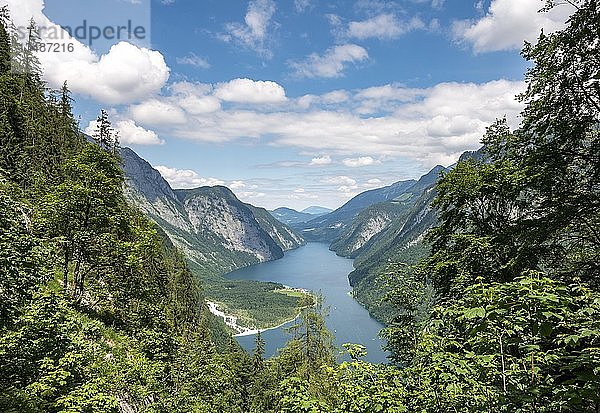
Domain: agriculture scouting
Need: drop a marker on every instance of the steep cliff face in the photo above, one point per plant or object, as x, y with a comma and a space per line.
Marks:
283, 235
331, 226
217, 232
375, 228
148, 190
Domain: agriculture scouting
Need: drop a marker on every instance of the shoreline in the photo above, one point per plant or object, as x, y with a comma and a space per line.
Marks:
231, 321
256, 331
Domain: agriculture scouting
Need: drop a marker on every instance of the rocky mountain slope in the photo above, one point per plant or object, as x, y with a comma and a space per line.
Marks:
389, 232
363, 234
217, 232
330, 226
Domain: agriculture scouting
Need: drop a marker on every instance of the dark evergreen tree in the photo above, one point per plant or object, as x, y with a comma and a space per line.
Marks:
104, 133
258, 360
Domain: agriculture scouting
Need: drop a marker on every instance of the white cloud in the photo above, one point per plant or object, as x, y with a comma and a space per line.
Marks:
250, 91
339, 180
332, 63
253, 33
250, 195
185, 178
373, 183
383, 26
336, 96
508, 23
361, 161
125, 74
132, 134
129, 133
237, 185
194, 60
158, 112
320, 160
195, 105
431, 126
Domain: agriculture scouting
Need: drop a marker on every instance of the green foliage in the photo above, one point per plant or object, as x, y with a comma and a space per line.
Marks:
558, 143
521, 346
479, 207
514, 255
20, 258
256, 304
351, 387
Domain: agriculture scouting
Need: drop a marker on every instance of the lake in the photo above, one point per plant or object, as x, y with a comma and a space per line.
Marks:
314, 267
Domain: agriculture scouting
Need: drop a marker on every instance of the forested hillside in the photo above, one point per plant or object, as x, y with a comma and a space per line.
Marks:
99, 312
217, 234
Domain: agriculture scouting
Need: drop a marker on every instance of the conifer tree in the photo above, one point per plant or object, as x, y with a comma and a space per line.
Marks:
258, 360
5, 51
103, 135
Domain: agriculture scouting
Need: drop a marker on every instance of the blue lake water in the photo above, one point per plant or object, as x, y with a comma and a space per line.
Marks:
314, 267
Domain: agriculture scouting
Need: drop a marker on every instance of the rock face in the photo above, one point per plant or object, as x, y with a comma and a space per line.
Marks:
216, 231
331, 226
379, 226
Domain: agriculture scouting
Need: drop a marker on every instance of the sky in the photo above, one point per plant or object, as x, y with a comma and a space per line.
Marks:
294, 102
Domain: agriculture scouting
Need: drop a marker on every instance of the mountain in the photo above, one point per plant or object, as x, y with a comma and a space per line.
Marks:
364, 231
283, 235
291, 216
317, 210
216, 231
330, 226
390, 232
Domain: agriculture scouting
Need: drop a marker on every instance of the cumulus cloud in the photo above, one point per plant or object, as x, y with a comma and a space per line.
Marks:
431, 125
360, 161
132, 134
237, 185
250, 91
373, 183
158, 112
336, 96
320, 160
507, 24
253, 33
331, 64
129, 133
186, 178
383, 26
126, 74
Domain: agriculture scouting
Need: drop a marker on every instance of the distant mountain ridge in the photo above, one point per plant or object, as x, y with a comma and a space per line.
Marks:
317, 210
290, 216
330, 226
216, 231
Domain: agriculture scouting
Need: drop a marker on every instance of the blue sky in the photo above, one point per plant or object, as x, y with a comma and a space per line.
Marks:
297, 102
